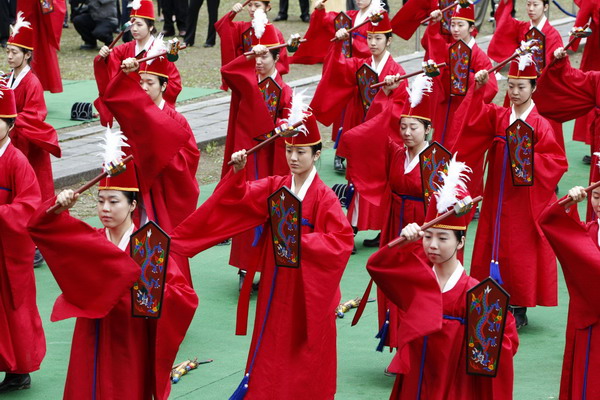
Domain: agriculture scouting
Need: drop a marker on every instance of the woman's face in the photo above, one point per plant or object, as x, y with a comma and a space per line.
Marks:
255, 5
377, 43
140, 29
461, 30
362, 4
412, 132
113, 208
300, 159
16, 56
4, 129
519, 90
535, 10
152, 86
265, 64
440, 245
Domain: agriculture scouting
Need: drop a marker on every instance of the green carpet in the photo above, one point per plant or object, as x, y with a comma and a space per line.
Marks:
360, 368
59, 104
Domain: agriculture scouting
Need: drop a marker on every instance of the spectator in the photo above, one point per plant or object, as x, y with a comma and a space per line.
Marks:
8, 11
179, 9
192, 21
97, 21
283, 9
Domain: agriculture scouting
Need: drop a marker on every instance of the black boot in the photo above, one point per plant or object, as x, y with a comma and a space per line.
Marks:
38, 258
520, 314
338, 164
587, 160
372, 242
14, 382
242, 275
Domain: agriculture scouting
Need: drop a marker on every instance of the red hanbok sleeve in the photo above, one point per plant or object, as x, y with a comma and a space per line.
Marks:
409, 17
509, 33
230, 39
320, 31
102, 75
337, 85
92, 273
18, 202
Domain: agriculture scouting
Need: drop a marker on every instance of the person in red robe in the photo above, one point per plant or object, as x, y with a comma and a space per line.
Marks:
253, 114
462, 27
576, 92
523, 263
511, 32
589, 13
432, 298
47, 25
236, 36
22, 340
109, 61
577, 246
322, 28
408, 19
31, 135
393, 177
161, 141
293, 350
113, 354
339, 94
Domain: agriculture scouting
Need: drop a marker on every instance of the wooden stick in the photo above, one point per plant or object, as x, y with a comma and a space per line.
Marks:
366, 21
380, 84
443, 10
243, 5
568, 201
279, 46
120, 35
141, 60
90, 184
503, 63
269, 140
571, 42
401, 239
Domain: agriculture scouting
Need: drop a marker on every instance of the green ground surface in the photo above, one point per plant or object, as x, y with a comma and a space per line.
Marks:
360, 368
59, 104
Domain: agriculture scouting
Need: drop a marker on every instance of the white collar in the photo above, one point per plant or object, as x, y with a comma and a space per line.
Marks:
453, 280
471, 42
12, 82
147, 46
125, 239
540, 26
3, 148
162, 104
409, 166
523, 117
305, 185
379, 67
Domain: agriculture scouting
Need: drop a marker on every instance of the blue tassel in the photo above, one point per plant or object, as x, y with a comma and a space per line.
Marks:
257, 234
383, 332
242, 389
495, 272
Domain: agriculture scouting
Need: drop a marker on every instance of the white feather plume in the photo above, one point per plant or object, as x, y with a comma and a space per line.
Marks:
112, 142
454, 183
135, 4
19, 23
158, 47
298, 109
259, 22
422, 84
1, 93
525, 60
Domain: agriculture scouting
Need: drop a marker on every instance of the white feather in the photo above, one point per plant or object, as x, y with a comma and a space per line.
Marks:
1, 94
259, 22
158, 47
19, 23
298, 109
421, 84
112, 142
525, 60
135, 4
454, 183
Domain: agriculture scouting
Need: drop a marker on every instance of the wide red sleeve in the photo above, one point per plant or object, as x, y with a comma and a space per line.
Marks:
480, 62
102, 75
30, 124
565, 93
508, 35
283, 63
411, 285
409, 17
146, 127
174, 86
586, 11
320, 31
92, 273
337, 85
16, 247
230, 39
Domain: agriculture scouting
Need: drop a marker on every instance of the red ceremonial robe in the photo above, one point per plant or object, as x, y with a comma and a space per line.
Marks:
527, 263
22, 341
165, 152
577, 249
35, 138
106, 68
320, 31
113, 355
578, 93
376, 166
589, 12
446, 106
299, 339
409, 17
47, 29
425, 312
249, 118
230, 33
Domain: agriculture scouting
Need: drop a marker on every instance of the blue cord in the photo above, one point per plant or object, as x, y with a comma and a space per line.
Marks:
563, 10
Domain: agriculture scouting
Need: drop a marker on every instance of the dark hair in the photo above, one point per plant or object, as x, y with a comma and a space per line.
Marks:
162, 80
275, 53
130, 196
9, 121
316, 147
388, 35
533, 83
266, 3
149, 24
459, 235
471, 23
